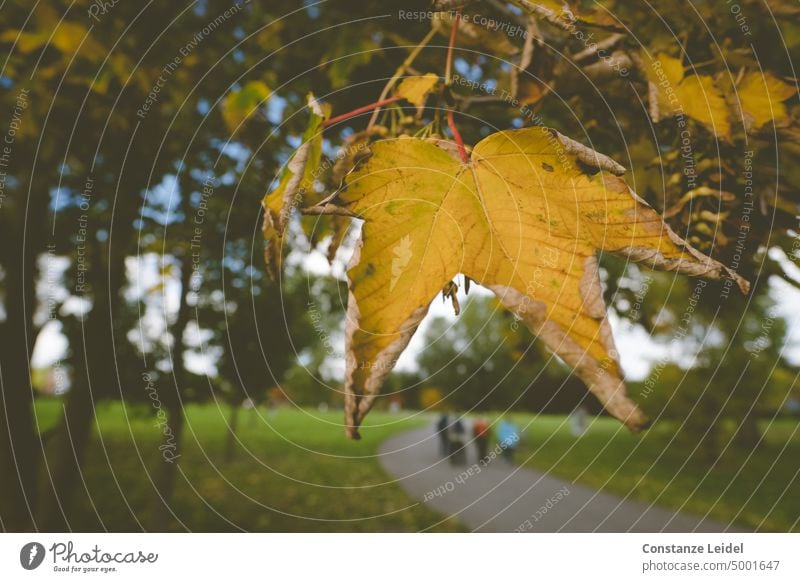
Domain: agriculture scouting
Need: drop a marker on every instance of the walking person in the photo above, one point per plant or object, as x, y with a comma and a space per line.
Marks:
481, 433
508, 437
441, 431
457, 437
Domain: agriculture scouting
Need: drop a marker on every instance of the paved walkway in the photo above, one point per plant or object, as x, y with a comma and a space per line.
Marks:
505, 498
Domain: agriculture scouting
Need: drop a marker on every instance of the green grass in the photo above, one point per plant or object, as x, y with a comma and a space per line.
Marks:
758, 491
293, 471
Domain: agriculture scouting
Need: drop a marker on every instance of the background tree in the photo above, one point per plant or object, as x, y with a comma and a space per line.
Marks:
485, 360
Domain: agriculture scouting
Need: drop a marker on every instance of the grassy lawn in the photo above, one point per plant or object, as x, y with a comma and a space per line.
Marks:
758, 491
292, 471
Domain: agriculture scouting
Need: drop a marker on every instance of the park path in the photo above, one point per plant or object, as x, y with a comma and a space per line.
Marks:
503, 498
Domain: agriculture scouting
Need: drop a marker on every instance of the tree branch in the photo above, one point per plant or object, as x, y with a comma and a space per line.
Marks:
360, 110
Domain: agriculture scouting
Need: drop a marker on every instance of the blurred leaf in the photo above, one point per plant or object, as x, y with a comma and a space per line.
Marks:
348, 52
241, 104
470, 35
761, 96
696, 95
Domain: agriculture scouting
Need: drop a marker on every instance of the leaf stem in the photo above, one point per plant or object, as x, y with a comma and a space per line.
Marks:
360, 110
399, 73
451, 123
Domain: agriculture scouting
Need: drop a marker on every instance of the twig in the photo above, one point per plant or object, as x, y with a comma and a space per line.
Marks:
328, 209
448, 5
364, 109
527, 54
399, 73
593, 49
469, 100
448, 71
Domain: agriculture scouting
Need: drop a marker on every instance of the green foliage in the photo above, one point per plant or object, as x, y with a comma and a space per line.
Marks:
485, 360
737, 377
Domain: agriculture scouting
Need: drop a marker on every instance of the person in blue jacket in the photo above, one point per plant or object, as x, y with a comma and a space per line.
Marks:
508, 438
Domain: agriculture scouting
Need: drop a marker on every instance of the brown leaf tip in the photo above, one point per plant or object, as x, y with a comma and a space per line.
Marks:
589, 156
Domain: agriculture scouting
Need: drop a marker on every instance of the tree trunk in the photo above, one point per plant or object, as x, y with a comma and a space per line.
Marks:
95, 374
173, 402
21, 450
20, 447
70, 451
230, 442
167, 470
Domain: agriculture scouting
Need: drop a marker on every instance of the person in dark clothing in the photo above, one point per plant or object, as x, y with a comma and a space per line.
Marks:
441, 430
457, 437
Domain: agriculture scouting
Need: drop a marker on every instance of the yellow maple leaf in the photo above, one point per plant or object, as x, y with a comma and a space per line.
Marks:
673, 93
525, 218
761, 97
